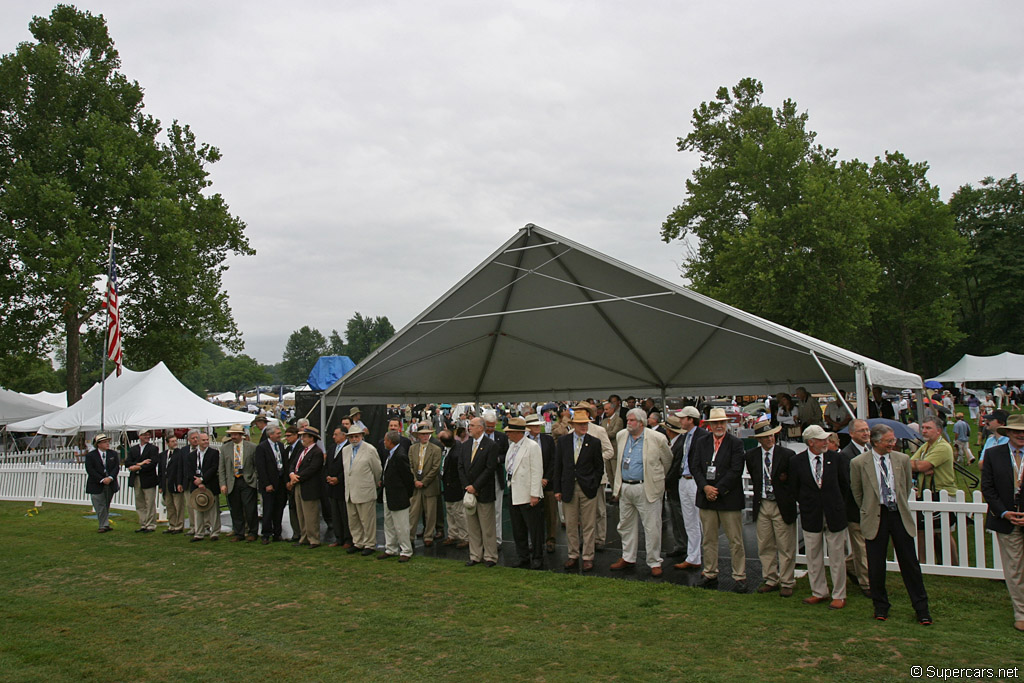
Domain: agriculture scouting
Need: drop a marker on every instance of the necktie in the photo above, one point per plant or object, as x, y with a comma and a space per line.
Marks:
277, 455
817, 470
577, 444
887, 497
472, 455
769, 492
1017, 467
238, 459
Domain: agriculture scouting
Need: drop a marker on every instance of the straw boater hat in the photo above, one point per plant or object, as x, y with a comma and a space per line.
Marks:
516, 424
764, 428
1014, 423
355, 411
425, 428
312, 431
236, 429
672, 422
717, 415
202, 500
354, 431
99, 438
815, 432
689, 411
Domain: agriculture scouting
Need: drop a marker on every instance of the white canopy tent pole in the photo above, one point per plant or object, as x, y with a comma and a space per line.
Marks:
862, 391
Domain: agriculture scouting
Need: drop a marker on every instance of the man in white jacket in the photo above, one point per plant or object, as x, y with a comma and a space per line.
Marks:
524, 469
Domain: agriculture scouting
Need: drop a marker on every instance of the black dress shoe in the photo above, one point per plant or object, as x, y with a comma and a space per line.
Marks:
368, 551
470, 563
881, 616
740, 587
709, 583
169, 531
537, 564
352, 551
678, 552
924, 619
490, 563
140, 530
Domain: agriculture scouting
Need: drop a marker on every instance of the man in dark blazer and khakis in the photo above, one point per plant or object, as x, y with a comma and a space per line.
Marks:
774, 510
307, 481
579, 466
1001, 474
478, 460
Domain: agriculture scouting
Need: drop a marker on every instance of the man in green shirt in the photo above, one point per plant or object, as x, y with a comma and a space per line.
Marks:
933, 465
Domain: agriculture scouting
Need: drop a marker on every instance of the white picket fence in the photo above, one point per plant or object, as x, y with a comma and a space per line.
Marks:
56, 483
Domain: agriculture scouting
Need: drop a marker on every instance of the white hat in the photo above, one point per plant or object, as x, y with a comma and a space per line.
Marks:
815, 432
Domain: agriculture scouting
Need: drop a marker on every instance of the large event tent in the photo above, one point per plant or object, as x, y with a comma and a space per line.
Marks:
1005, 367
15, 407
56, 399
135, 401
545, 317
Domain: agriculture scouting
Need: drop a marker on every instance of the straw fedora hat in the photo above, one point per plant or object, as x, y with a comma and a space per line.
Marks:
355, 411
354, 431
580, 415
236, 429
672, 422
764, 428
424, 428
99, 438
516, 424
1014, 423
717, 415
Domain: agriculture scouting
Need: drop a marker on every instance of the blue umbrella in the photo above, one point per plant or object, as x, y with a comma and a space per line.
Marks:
900, 430
932, 384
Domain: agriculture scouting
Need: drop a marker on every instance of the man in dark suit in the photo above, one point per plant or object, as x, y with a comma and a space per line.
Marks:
307, 481
334, 491
686, 486
101, 467
202, 472
141, 461
290, 454
716, 463
879, 406
478, 461
579, 466
452, 492
394, 425
1001, 474
548, 455
168, 470
774, 510
501, 441
398, 484
817, 481
271, 470
857, 561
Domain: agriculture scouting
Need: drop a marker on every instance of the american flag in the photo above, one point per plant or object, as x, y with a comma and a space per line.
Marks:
113, 315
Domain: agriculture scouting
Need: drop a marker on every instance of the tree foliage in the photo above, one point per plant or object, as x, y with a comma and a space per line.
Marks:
79, 156
304, 348
363, 335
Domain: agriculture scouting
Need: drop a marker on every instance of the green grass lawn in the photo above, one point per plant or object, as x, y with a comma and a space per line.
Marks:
77, 605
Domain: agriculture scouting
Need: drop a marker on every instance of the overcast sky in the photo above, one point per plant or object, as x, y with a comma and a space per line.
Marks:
379, 151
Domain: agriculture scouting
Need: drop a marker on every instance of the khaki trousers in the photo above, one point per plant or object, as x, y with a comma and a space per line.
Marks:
776, 546
175, 504
206, 523
362, 522
1011, 552
420, 503
309, 517
483, 539
857, 560
633, 503
814, 546
581, 515
457, 521
731, 522
145, 505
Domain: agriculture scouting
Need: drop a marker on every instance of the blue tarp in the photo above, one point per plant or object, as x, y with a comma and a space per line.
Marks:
328, 370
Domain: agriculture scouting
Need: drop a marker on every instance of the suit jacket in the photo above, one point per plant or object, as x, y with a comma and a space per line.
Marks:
501, 441
362, 473
851, 451
267, 471
819, 506
864, 483
310, 472
997, 485
227, 465
209, 468
527, 471
399, 482
383, 452
451, 483
613, 425
782, 457
98, 468
675, 471
147, 476
334, 466
478, 472
587, 470
548, 452
168, 470
657, 457
431, 468
728, 479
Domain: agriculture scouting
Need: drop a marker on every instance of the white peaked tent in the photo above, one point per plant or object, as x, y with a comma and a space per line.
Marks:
15, 407
59, 400
1005, 367
135, 401
545, 317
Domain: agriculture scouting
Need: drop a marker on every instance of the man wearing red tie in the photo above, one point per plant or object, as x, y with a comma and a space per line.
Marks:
307, 481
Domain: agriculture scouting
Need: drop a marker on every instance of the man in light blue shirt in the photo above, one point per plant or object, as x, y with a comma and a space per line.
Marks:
993, 421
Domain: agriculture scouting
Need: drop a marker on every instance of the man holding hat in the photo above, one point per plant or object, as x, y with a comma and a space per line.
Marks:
141, 461
101, 467
201, 473
716, 463
478, 462
307, 481
1001, 475
579, 467
774, 509
425, 462
239, 481
643, 459
686, 486
524, 469
818, 481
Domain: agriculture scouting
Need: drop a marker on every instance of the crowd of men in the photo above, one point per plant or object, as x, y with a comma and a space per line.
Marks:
857, 495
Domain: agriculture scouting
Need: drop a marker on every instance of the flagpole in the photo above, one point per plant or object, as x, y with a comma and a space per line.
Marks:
106, 335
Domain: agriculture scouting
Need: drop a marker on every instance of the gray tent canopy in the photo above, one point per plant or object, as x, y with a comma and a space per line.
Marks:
546, 318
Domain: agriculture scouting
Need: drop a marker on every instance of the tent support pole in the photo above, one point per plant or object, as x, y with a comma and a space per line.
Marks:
839, 394
323, 416
862, 392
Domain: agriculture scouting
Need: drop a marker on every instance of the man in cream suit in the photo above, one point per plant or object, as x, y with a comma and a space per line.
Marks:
425, 463
239, 481
880, 481
524, 470
640, 466
362, 478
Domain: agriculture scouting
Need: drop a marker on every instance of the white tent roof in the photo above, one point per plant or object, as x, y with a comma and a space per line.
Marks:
545, 317
226, 396
60, 400
15, 407
1006, 367
135, 401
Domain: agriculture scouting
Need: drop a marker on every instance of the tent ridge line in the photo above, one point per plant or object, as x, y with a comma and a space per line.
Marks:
543, 308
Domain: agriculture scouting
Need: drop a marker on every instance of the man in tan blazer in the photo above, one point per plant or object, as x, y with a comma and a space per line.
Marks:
362, 479
425, 463
613, 424
880, 481
643, 458
239, 481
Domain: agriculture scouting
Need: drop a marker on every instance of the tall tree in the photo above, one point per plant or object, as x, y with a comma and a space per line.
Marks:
363, 335
304, 348
990, 218
78, 156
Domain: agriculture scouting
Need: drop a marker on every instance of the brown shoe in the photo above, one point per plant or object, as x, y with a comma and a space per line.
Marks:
686, 565
236, 539
250, 539
767, 587
587, 565
449, 541
571, 564
837, 604
333, 545
621, 564
814, 600
786, 592
1019, 625
462, 544
428, 542
656, 572
404, 558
